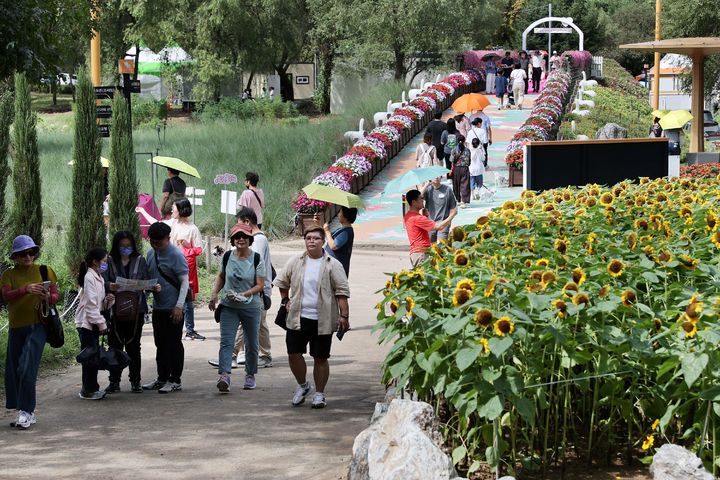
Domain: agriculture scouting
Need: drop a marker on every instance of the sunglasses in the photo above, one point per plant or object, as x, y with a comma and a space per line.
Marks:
26, 253
241, 237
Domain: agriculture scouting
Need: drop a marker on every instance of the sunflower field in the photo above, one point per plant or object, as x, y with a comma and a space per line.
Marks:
573, 325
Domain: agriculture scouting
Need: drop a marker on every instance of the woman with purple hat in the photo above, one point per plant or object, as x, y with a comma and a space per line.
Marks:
23, 289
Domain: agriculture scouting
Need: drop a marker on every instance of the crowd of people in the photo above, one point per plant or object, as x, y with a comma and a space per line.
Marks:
113, 310
509, 79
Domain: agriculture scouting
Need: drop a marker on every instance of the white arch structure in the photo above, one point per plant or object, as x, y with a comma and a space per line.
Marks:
564, 20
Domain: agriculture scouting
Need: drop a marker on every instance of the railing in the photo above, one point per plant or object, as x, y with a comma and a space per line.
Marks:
596, 68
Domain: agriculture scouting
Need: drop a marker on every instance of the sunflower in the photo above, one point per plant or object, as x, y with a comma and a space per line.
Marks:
484, 343
606, 199
527, 194
655, 424
664, 256
628, 298
711, 220
490, 288
388, 285
461, 258
690, 329
684, 212
615, 268
394, 306
461, 296
693, 311
466, 284
561, 245
641, 223
528, 263
486, 234
483, 317
534, 287
594, 191
548, 207
504, 326
632, 241
536, 275
569, 288
580, 298
458, 234
543, 262
590, 202
409, 305
648, 250
436, 249
481, 221
547, 277
604, 290
715, 238
661, 197
688, 262
657, 323
508, 205
561, 307
578, 276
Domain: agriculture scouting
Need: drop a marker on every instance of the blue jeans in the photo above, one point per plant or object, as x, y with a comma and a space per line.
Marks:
230, 319
24, 351
189, 317
476, 182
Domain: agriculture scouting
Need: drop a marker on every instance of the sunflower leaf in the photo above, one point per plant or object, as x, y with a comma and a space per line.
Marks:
492, 409
498, 345
692, 366
466, 356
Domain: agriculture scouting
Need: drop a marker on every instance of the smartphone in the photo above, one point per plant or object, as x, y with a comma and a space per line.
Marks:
46, 285
340, 334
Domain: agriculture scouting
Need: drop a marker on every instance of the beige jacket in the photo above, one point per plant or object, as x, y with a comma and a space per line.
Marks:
333, 283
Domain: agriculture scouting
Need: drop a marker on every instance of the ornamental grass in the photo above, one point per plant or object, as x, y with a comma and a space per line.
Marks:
574, 324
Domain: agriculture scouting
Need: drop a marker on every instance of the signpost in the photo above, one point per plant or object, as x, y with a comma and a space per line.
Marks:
104, 130
195, 196
126, 67
553, 30
228, 199
103, 111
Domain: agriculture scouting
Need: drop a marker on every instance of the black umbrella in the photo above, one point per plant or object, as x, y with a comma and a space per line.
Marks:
489, 56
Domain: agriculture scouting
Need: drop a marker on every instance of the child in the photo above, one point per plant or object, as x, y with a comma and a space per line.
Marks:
477, 167
501, 88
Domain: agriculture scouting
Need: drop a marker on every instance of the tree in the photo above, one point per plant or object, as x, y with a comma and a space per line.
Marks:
86, 223
123, 179
6, 119
26, 216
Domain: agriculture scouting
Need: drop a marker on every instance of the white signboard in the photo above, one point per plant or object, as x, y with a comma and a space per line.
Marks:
553, 30
228, 202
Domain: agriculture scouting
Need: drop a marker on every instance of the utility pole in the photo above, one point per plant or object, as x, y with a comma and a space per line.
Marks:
550, 35
95, 52
656, 76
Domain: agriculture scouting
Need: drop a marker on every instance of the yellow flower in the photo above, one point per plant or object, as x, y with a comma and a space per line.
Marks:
547, 277
648, 443
461, 296
458, 234
481, 221
615, 268
688, 262
436, 249
490, 288
641, 223
604, 290
466, 284
508, 205
461, 258
581, 298
628, 298
528, 263
715, 238
394, 306
690, 329
657, 323
578, 276
484, 343
664, 257
409, 305
543, 262
561, 245
483, 317
606, 199
569, 287
693, 311
486, 234
711, 220
504, 326
655, 424
561, 307
590, 202
632, 240
388, 285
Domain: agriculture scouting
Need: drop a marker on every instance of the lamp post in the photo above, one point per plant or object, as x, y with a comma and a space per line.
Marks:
656, 77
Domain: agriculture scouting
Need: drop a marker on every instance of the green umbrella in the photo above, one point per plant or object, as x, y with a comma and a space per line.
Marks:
414, 177
675, 119
176, 164
334, 195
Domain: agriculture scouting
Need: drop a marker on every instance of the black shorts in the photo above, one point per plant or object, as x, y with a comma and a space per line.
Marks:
297, 340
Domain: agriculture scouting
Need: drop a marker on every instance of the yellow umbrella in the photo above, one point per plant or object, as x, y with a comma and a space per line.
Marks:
103, 161
660, 113
675, 119
333, 195
176, 164
470, 102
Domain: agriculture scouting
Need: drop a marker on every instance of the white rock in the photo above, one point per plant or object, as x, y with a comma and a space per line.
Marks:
673, 462
402, 445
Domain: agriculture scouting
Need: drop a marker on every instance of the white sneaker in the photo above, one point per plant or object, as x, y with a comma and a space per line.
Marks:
264, 362
241, 358
318, 400
170, 387
300, 393
216, 363
24, 420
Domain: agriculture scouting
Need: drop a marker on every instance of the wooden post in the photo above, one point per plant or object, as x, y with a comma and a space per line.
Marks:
656, 76
95, 53
208, 253
697, 127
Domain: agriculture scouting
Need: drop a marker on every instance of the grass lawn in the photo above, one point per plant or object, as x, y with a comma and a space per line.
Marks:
43, 102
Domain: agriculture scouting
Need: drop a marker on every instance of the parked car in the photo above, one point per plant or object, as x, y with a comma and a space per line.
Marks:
711, 127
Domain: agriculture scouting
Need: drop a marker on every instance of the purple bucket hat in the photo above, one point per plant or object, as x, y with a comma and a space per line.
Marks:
22, 243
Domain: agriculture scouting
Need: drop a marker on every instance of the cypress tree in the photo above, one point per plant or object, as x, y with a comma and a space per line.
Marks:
26, 216
6, 118
86, 222
123, 179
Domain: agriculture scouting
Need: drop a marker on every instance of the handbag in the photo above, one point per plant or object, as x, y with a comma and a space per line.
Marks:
49, 317
281, 318
96, 356
127, 302
218, 310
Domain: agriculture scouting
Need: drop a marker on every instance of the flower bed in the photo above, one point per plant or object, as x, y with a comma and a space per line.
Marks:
363, 157
703, 170
574, 324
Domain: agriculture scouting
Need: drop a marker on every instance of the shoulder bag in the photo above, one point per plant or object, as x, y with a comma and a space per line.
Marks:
172, 281
49, 317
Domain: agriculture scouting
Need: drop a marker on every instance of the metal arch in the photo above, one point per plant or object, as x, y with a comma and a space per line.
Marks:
565, 20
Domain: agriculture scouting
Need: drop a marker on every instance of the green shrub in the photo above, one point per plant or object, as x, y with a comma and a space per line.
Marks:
233, 108
148, 112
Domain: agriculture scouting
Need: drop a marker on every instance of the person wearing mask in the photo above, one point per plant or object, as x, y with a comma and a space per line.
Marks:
169, 266
449, 140
241, 280
490, 72
436, 127
536, 62
440, 204
130, 307
24, 290
524, 62
315, 292
518, 78
184, 235
173, 190
340, 242
477, 167
418, 226
89, 319
253, 197
460, 159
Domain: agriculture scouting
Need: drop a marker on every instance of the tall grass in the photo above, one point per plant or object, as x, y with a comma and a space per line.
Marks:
286, 157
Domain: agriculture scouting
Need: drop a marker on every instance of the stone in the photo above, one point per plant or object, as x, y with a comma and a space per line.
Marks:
402, 444
611, 131
673, 462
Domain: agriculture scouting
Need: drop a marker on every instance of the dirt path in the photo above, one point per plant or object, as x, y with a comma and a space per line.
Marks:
197, 433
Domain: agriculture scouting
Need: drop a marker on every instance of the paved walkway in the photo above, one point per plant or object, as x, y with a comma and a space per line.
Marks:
381, 222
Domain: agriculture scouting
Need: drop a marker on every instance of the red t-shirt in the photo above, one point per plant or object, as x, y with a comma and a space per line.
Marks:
418, 230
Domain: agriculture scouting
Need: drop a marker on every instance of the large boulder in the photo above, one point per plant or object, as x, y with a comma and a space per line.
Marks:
611, 131
403, 444
673, 462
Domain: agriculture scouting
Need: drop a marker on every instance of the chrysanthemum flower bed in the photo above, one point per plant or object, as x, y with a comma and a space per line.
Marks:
574, 324
701, 170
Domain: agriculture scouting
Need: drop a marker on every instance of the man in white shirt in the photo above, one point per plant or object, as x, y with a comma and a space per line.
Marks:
536, 63
518, 77
487, 126
554, 60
